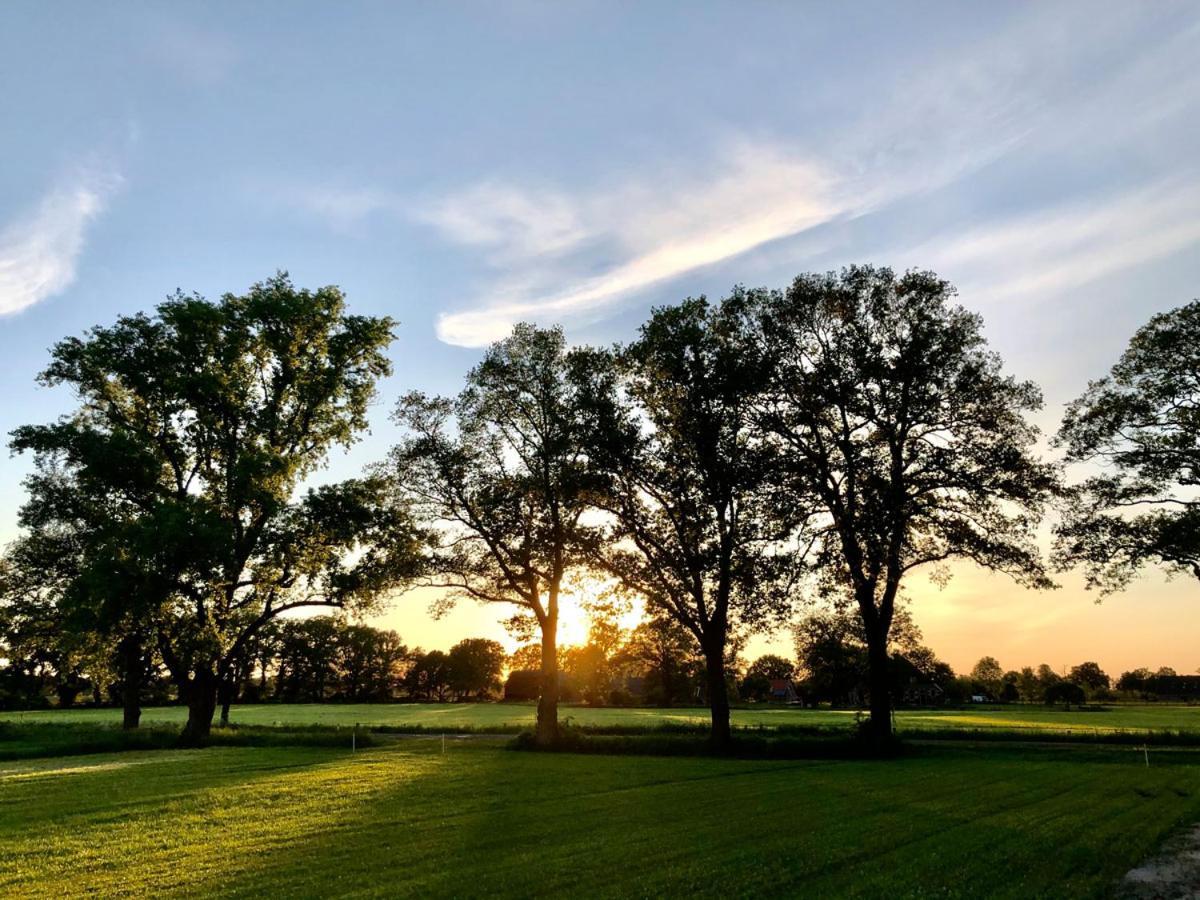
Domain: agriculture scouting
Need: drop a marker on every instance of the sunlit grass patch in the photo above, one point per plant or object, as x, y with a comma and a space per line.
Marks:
410, 819
515, 717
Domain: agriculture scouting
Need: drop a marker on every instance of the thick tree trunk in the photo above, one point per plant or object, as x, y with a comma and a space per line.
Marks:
547, 712
880, 682
201, 697
718, 696
133, 670
131, 705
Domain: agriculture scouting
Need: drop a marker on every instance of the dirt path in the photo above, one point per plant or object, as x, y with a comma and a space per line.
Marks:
1173, 874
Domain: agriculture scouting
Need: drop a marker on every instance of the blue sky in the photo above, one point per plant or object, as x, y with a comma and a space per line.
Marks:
462, 167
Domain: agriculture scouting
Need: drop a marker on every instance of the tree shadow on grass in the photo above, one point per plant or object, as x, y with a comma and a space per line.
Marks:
481, 820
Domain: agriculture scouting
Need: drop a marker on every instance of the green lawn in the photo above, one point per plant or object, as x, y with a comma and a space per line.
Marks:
480, 820
451, 716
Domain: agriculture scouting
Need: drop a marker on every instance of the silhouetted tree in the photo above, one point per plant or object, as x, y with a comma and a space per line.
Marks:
1141, 425
501, 473
1065, 692
371, 662
429, 675
202, 421
1029, 688
694, 528
1090, 676
665, 655
84, 570
897, 422
989, 674
307, 657
831, 647
1047, 677
756, 683
475, 667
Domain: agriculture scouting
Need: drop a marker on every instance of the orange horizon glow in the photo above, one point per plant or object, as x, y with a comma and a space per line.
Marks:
1154, 623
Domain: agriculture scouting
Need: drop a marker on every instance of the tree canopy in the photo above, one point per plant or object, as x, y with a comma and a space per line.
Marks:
1138, 430
689, 500
895, 421
197, 426
501, 475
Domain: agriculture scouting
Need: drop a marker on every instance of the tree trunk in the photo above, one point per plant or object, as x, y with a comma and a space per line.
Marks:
225, 695
547, 711
718, 696
201, 696
131, 704
132, 672
880, 683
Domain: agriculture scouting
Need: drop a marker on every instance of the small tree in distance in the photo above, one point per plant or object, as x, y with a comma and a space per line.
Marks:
475, 667
989, 674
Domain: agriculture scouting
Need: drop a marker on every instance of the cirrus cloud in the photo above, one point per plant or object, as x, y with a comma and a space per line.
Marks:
39, 251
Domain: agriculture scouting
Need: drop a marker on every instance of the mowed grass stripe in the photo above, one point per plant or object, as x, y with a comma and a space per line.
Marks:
1118, 718
409, 820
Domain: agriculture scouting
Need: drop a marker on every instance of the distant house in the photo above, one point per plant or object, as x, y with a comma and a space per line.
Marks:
782, 690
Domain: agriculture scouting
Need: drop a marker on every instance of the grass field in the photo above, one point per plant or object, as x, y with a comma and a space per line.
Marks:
407, 819
514, 717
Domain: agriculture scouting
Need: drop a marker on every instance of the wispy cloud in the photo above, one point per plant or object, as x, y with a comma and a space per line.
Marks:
1031, 256
656, 231
39, 251
516, 224
572, 252
1020, 94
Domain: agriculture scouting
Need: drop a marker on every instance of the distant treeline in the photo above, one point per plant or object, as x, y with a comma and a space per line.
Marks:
327, 659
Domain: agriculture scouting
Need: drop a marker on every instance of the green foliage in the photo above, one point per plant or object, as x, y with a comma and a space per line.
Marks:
1141, 426
904, 443
176, 476
475, 665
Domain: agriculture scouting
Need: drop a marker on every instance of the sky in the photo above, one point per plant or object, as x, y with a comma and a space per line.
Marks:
462, 167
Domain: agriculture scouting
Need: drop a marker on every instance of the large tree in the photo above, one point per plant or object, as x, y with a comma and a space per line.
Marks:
1138, 430
689, 490
200, 422
501, 474
896, 421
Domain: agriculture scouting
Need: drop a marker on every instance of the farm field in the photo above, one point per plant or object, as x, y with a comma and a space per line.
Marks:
514, 717
407, 819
